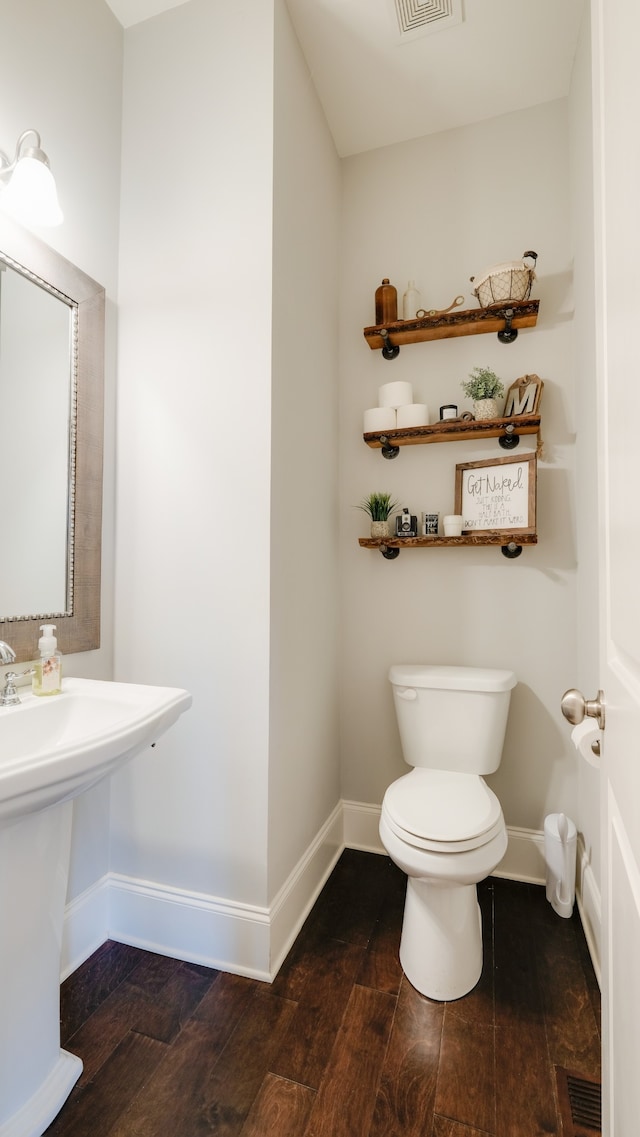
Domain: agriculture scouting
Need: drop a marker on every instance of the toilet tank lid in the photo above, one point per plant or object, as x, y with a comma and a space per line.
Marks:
447, 678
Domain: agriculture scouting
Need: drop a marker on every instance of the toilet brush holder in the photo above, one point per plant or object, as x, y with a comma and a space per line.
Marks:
560, 838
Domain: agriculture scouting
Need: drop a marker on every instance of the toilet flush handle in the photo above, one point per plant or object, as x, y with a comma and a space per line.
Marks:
408, 693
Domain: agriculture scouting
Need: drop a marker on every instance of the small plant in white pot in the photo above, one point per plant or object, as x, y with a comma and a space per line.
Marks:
379, 507
485, 389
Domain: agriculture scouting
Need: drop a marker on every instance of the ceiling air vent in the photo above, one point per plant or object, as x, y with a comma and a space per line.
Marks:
420, 17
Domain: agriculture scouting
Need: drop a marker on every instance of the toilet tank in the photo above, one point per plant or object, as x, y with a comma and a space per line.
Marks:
452, 718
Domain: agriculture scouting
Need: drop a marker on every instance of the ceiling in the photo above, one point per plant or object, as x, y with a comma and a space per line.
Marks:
378, 86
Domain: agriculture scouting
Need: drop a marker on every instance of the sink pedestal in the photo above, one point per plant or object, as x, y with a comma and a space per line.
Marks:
36, 1075
52, 750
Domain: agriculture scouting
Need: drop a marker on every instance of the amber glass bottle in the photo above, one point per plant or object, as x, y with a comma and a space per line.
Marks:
386, 303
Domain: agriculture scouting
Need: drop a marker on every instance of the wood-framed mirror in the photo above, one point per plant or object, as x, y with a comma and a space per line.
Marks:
51, 443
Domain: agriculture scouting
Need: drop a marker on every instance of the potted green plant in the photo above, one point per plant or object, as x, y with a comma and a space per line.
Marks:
485, 389
379, 507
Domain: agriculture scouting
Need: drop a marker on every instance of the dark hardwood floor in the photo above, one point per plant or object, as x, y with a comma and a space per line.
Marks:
340, 1045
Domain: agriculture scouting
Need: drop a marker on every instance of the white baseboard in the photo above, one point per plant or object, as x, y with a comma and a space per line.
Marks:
189, 925
360, 827
238, 938
524, 860
85, 926
253, 941
299, 893
589, 907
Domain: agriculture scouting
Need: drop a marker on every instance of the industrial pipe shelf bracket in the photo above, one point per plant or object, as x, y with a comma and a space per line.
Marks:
509, 440
508, 334
511, 551
390, 350
388, 449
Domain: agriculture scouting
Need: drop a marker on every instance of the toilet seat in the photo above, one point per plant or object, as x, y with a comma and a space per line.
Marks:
442, 811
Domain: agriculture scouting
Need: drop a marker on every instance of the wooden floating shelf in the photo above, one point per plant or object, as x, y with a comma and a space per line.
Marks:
470, 540
454, 430
470, 322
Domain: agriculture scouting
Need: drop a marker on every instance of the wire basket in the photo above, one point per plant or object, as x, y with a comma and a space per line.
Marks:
510, 281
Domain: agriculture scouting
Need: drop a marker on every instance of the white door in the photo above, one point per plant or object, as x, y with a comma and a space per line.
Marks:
616, 75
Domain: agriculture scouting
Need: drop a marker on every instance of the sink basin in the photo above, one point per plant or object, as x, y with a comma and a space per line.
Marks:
55, 747
52, 748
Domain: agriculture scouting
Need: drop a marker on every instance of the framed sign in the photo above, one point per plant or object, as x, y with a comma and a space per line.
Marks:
499, 493
523, 396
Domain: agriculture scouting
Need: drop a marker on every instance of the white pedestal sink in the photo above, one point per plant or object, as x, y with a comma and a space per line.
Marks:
51, 750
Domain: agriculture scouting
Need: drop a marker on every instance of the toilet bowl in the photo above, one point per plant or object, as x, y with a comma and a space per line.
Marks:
441, 823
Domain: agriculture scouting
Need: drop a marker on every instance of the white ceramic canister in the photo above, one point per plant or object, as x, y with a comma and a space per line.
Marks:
411, 301
452, 524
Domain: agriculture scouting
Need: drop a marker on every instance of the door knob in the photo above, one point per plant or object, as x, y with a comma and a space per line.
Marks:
574, 707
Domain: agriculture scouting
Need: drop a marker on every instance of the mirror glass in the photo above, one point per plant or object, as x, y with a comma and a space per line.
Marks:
51, 420
37, 424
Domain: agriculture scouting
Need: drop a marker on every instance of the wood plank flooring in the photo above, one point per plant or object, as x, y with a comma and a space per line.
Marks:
340, 1045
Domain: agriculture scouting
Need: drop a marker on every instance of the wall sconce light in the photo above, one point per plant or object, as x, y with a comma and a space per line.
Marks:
27, 187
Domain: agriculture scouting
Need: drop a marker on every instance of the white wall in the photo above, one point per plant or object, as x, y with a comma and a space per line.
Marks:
225, 432
304, 761
192, 592
441, 209
70, 90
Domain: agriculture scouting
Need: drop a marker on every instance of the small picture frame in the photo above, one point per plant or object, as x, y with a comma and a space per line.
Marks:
497, 494
523, 397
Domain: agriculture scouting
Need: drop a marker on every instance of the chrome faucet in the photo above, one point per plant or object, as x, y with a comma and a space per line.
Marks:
9, 695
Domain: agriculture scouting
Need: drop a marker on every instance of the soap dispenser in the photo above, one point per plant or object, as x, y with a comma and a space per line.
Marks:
47, 673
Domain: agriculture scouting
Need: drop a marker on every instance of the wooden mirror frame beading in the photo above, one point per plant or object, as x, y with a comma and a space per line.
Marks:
80, 629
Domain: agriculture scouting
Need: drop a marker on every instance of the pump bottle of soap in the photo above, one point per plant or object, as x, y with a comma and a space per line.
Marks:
47, 673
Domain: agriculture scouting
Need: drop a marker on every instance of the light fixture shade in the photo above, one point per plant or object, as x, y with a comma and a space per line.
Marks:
31, 196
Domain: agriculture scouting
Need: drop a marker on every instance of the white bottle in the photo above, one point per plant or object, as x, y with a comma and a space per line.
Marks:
47, 673
410, 301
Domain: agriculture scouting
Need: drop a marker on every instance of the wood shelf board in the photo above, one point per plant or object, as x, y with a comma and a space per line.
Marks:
453, 430
470, 540
470, 322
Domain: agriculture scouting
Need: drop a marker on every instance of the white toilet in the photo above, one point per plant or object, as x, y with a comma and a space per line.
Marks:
441, 823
